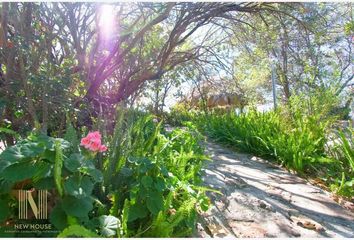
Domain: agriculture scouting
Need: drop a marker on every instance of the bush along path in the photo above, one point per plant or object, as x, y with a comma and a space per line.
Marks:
260, 199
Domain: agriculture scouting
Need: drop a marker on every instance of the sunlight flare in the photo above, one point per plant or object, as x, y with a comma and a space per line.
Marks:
106, 21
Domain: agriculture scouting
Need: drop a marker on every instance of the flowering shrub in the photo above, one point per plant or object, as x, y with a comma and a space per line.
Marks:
146, 185
42, 162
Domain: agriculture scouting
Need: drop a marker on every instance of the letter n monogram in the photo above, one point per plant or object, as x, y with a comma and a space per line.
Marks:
39, 210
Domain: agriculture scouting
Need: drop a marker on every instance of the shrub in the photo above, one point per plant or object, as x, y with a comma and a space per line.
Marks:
153, 176
343, 151
179, 114
148, 185
294, 144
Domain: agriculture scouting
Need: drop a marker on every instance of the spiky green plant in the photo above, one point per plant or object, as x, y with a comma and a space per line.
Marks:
58, 164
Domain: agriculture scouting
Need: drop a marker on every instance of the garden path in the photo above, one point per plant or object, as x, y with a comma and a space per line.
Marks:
263, 200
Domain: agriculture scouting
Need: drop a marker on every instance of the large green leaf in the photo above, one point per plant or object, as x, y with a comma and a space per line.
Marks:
160, 184
78, 187
4, 209
95, 174
4, 164
25, 170
73, 163
22, 150
154, 202
44, 183
12, 154
88, 167
137, 211
77, 207
31, 149
108, 225
77, 163
49, 142
146, 181
58, 217
5, 186
49, 155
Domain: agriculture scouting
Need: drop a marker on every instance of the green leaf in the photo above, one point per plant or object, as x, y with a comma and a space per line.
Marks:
137, 211
88, 167
154, 202
4, 209
88, 164
24, 170
349, 183
4, 164
10, 132
5, 186
49, 142
49, 155
77, 231
31, 149
146, 181
58, 217
72, 220
45, 183
95, 174
12, 154
77, 207
73, 163
77, 187
126, 172
108, 225
204, 202
160, 184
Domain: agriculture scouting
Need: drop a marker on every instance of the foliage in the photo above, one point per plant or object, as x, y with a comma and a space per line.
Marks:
305, 51
44, 162
343, 151
150, 179
61, 76
76, 231
58, 164
155, 176
321, 103
54, 55
296, 135
298, 145
179, 114
294, 144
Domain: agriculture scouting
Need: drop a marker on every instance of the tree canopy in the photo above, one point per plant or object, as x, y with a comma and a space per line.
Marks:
91, 56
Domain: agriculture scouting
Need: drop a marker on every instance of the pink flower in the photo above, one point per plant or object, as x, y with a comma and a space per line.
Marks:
95, 134
92, 142
85, 141
94, 146
103, 148
96, 140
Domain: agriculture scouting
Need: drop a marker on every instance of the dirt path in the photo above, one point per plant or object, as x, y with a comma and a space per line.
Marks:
263, 200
